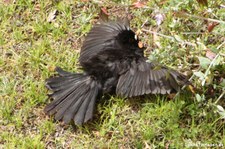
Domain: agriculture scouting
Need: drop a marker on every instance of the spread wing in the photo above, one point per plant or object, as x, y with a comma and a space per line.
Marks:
102, 37
145, 78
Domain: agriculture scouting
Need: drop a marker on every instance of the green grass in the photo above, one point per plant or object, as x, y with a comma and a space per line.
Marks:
30, 48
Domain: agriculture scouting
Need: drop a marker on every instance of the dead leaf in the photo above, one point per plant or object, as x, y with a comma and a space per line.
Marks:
211, 26
104, 10
138, 4
167, 146
103, 15
51, 16
209, 54
7, 2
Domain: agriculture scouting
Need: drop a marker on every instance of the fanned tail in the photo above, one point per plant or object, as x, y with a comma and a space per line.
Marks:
74, 96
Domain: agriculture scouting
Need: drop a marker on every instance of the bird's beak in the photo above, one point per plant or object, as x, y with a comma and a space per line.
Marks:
140, 44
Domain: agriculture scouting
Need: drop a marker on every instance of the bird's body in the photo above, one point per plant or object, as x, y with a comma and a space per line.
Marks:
113, 63
105, 56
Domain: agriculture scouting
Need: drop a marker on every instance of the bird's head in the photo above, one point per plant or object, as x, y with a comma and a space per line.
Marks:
129, 41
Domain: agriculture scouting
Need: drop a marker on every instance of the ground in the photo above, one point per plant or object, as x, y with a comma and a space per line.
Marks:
37, 36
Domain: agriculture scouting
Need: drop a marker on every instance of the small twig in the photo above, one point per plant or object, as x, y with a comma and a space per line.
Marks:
220, 97
202, 18
144, 23
162, 35
220, 45
207, 71
192, 33
170, 37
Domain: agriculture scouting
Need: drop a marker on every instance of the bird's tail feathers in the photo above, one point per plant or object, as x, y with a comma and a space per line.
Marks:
74, 96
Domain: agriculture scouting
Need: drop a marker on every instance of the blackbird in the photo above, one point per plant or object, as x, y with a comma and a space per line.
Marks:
113, 63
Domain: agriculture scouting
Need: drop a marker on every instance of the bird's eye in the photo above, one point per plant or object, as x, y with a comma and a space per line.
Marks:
135, 37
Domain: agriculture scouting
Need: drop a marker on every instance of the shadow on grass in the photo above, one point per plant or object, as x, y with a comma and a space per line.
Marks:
108, 104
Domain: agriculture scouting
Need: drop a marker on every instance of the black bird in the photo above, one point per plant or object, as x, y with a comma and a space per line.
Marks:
113, 63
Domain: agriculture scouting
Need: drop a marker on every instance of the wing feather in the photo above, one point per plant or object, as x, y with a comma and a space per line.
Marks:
149, 78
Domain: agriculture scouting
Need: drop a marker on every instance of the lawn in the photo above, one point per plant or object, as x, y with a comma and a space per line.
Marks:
37, 36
